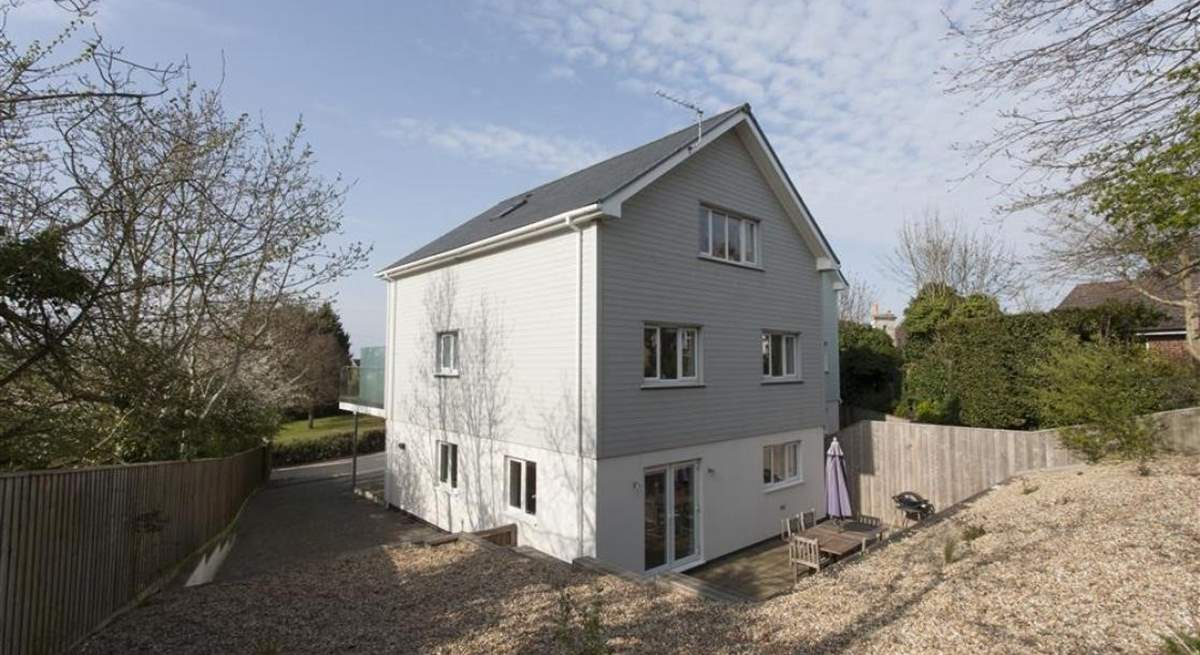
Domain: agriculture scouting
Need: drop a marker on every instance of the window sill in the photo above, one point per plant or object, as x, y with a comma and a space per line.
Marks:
710, 258
453, 491
445, 375
520, 515
780, 486
673, 385
783, 381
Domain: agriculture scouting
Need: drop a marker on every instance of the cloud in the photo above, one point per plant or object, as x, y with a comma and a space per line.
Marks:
498, 143
561, 72
850, 94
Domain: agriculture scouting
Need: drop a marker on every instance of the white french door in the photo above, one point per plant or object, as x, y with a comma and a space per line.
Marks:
671, 516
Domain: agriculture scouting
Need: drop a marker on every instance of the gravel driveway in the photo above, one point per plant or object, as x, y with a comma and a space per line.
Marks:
1100, 561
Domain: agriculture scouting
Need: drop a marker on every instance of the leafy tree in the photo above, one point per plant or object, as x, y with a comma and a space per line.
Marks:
869, 367
314, 347
1100, 393
933, 305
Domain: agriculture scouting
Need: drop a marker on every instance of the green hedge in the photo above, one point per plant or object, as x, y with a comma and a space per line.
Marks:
329, 446
980, 372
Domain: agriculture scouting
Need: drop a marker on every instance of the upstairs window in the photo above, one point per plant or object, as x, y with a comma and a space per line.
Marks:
448, 464
728, 237
447, 353
781, 355
522, 485
670, 354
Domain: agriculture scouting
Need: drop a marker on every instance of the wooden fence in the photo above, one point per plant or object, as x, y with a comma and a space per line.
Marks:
948, 464
76, 546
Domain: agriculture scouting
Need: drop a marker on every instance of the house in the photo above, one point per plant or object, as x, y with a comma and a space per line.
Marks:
884, 320
636, 362
1168, 337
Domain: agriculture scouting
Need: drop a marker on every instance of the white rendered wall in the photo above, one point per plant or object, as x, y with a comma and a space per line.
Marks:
736, 510
528, 358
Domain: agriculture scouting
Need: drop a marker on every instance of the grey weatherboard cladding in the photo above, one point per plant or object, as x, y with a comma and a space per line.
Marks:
579, 189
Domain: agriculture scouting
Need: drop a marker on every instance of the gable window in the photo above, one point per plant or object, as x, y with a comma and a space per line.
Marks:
728, 237
522, 485
447, 353
448, 464
670, 354
781, 463
781, 355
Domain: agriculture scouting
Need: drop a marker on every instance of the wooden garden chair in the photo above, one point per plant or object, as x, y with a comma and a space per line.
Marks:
803, 553
794, 525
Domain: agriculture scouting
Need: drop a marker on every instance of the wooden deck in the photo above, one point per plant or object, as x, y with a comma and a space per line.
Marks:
762, 571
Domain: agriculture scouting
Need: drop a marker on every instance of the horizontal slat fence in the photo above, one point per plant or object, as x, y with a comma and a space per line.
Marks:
78, 545
948, 464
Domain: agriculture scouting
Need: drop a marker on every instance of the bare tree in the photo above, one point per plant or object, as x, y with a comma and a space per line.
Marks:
856, 300
1082, 75
180, 231
934, 250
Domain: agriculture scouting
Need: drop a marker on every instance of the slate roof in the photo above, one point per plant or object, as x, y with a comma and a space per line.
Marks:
1094, 294
578, 189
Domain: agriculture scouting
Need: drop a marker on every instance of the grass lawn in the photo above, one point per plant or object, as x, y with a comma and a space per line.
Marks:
298, 430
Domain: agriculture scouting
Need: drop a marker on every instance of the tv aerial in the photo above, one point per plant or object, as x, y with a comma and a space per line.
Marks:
686, 105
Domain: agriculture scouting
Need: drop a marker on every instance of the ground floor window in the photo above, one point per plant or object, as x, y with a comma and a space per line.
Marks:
448, 464
781, 463
522, 485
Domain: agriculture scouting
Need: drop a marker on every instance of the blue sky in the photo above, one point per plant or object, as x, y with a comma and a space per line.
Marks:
435, 110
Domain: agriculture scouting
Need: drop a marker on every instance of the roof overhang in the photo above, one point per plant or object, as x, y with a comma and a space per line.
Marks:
746, 127
751, 135
572, 218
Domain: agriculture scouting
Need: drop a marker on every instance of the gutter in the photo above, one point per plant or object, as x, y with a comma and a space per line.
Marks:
571, 218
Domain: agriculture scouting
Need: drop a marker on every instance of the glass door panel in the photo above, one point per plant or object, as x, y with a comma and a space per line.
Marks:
655, 518
684, 511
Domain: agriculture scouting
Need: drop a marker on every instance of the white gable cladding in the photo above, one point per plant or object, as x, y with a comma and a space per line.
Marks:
517, 314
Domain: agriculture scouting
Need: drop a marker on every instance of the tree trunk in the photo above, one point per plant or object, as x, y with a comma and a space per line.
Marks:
310, 415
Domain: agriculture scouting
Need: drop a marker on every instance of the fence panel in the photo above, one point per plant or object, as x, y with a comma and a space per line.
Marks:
949, 464
78, 545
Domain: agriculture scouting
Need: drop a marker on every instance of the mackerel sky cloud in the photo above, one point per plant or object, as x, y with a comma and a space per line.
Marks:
434, 111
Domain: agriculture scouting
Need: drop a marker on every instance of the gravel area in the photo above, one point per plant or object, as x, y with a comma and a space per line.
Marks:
1101, 560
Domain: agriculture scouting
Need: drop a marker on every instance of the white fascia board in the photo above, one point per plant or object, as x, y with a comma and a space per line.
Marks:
611, 205
768, 164
772, 169
573, 217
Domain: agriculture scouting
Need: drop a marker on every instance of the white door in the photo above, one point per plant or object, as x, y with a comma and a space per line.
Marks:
671, 516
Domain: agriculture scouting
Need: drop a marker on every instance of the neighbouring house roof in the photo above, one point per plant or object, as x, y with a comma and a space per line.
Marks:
1094, 294
613, 178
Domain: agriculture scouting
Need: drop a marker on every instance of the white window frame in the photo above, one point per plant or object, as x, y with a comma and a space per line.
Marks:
442, 338
680, 379
523, 507
768, 341
792, 465
749, 230
447, 463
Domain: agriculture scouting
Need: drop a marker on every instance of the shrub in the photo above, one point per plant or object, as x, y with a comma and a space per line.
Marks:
869, 367
950, 550
1182, 642
328, 446
580, 630
1100, 393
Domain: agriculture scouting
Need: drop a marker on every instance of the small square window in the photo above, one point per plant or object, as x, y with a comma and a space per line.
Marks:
781, 463
670, 354
781, 355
